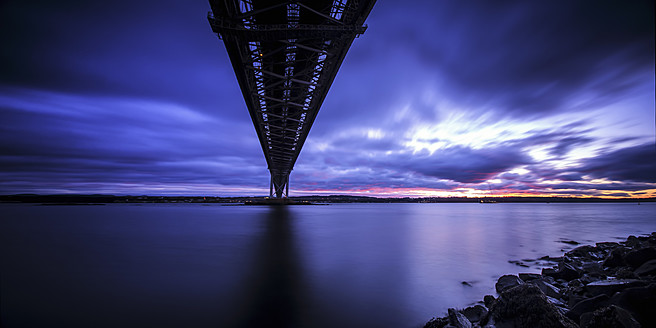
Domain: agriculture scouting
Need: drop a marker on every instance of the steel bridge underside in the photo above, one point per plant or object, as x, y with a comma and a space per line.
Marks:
285, 55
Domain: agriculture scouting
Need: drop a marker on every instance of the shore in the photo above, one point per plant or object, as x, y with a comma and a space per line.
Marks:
610, 284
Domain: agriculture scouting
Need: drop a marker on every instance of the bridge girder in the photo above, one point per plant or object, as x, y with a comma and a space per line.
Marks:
285, 55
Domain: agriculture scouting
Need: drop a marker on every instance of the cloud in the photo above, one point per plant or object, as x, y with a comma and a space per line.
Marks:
637, 164
453, 96
523, 58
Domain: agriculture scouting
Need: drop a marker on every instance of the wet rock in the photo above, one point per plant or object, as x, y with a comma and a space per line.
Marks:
607, 285
526, 306
587, 305
632, 241
576, 283
586, 252
605, 246
548, 271
488, 300
610, 316
638, 257
625, 273
565, 271
465, 283
458, 320
593, 268
570, 242
507, 281
615, 258
640, 301
610, 287
647, 269
547, 288
475, 313
556, 302
437, 323
529, 276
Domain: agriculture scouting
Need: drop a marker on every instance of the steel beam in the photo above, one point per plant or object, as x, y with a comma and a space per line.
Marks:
285, 56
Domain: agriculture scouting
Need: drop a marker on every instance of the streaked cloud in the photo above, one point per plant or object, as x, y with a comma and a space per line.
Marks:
453, 98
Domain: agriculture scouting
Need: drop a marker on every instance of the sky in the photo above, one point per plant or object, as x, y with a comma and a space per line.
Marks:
437, 98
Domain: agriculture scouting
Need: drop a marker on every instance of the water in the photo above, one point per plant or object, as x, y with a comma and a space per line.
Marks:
351, 265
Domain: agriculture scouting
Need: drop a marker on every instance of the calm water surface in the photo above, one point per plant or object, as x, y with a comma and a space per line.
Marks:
352, 265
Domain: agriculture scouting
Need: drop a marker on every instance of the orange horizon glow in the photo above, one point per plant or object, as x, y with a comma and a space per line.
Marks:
472, 193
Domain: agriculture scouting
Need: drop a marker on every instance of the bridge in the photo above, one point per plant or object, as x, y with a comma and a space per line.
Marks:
285, 55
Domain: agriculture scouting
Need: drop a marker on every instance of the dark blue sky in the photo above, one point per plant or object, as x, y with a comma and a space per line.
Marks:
436, 98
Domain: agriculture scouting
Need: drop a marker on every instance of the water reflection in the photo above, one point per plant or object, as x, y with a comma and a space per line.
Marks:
273, 291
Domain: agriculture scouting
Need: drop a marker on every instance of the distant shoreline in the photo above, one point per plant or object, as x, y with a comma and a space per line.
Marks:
108, 199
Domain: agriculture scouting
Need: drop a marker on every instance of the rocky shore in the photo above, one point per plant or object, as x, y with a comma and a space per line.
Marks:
611, 284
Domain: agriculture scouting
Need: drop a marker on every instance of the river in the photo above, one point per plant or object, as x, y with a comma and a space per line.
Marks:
340, 265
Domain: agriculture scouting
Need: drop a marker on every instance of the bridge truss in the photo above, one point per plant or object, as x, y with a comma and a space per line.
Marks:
286, 55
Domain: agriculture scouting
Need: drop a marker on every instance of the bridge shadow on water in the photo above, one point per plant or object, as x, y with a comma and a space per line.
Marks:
273, 293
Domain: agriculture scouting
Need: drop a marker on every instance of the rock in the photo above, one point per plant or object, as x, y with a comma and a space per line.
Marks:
565, 272
548, 271
571, 242
625, 273
458, 320
632, 241
646, 269
585, 319
640, 301
610, 287
576, 283
547, 288
556, 302
475, 313
529, 276
587, 305
465, 283
488, 300
638, 257
526, 306
437, 323
615, 258
507, 281
593, 268
610, 316
586, 252
606, 246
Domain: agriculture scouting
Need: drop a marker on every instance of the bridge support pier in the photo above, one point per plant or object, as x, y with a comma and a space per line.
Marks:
279, 185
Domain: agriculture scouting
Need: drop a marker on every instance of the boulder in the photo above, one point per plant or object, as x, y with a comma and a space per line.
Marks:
437, 323
638, 257
529, 276
632, 241
593, 267
615, 258
640, 301
565, 271
607, 246
610, 287
610, 316
587, 305
458, 320
586, 252
488, 300
475, 313
507, 281
526, 306
647, 269
625, 273
547, 288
